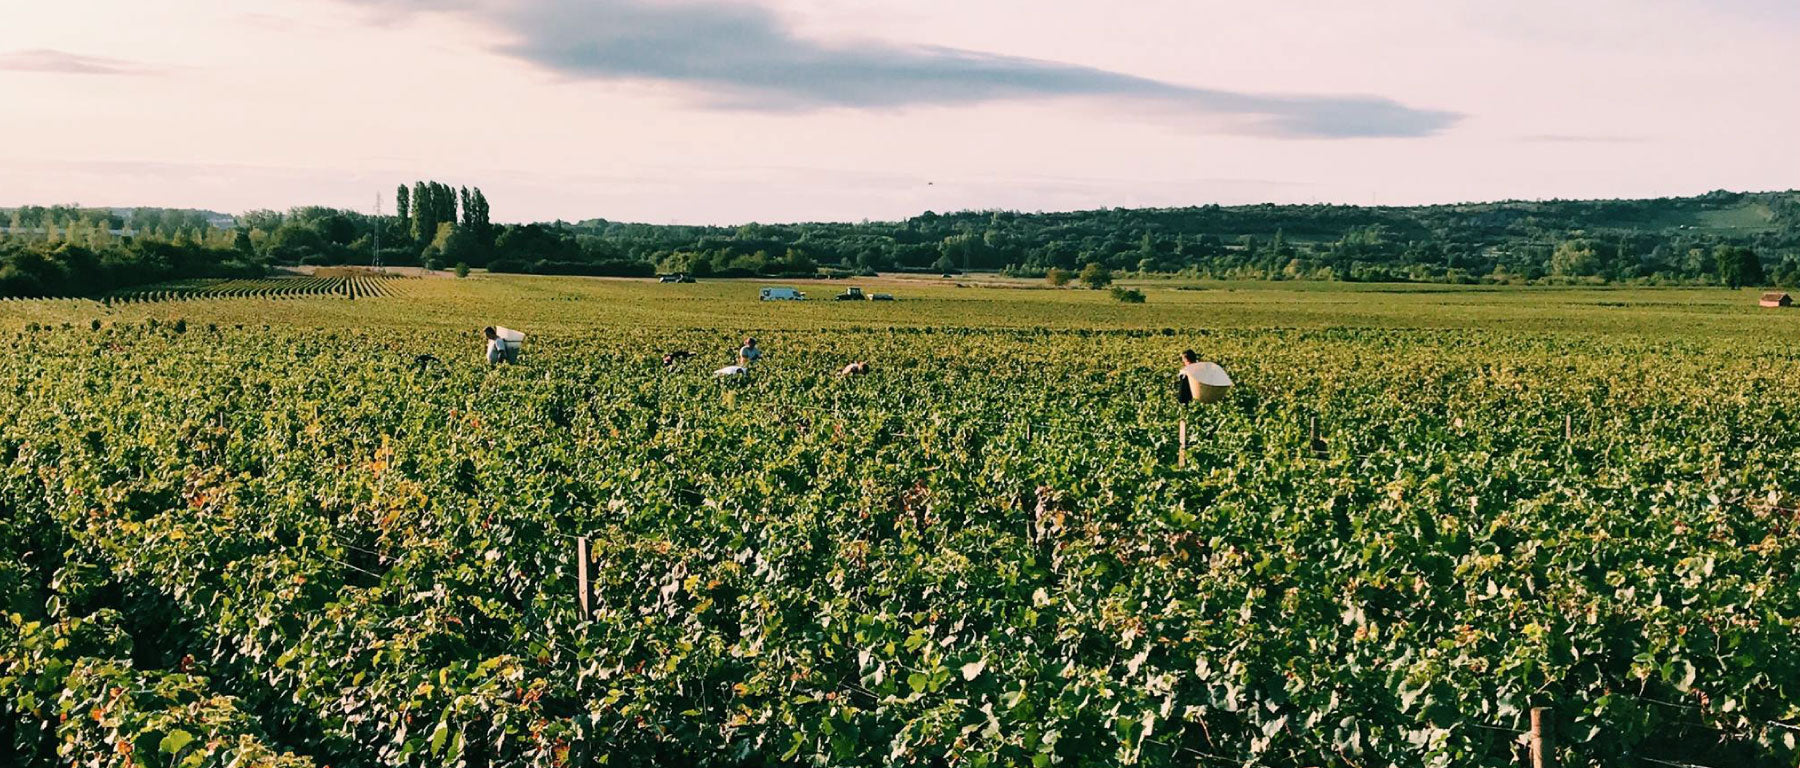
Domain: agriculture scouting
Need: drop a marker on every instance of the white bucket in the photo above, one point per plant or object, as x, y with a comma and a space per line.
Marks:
1207, 382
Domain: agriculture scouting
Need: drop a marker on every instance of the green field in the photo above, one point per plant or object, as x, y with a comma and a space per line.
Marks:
578, 305
244, 530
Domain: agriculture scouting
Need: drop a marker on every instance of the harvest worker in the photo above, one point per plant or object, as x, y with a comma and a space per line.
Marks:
748, 354
496, 349
1200, 381
858, 368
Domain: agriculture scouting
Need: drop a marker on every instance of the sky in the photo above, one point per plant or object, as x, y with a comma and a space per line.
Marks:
731, 111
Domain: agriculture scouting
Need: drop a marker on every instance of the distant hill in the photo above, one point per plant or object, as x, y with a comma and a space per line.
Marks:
1663, 239
1718, 211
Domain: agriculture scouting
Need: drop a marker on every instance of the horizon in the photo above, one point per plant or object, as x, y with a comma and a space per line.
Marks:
714, 112
1070, 211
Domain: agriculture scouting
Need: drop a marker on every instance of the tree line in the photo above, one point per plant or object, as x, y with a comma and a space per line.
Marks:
67, 250
1721, 238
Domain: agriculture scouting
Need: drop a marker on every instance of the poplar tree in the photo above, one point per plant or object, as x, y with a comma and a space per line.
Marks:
443, 205
483, 226
422, 225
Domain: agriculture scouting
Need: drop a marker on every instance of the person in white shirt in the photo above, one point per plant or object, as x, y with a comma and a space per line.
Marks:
496, 349
746, 356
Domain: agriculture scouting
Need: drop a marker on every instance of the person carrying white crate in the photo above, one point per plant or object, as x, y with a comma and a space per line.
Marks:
1200, 381
747, 356
502, 344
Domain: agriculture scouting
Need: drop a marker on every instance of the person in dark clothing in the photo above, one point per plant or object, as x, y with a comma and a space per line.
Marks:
1198, 380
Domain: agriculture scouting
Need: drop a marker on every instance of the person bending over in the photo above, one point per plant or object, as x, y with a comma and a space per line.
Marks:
496, 349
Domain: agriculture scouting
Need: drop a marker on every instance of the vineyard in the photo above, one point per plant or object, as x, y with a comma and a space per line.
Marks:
344, 286
298, 543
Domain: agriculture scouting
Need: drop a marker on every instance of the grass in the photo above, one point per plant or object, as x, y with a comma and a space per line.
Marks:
581, 305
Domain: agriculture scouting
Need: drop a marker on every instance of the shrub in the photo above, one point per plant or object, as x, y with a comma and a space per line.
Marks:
1096, 276
1128, 295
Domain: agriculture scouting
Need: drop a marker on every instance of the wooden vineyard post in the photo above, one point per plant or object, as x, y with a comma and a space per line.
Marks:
1543, 746
1569, 438
1181, 438
581, 576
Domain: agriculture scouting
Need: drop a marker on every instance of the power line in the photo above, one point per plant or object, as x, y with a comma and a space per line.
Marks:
347, 545
1487, 727
1243, 449
1198, 753
1697, 708
1671, 763
347, 565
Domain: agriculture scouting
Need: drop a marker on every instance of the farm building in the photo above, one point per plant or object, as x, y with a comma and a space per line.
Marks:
1775, 299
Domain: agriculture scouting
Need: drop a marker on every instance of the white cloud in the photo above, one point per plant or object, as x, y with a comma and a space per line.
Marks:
52, 61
